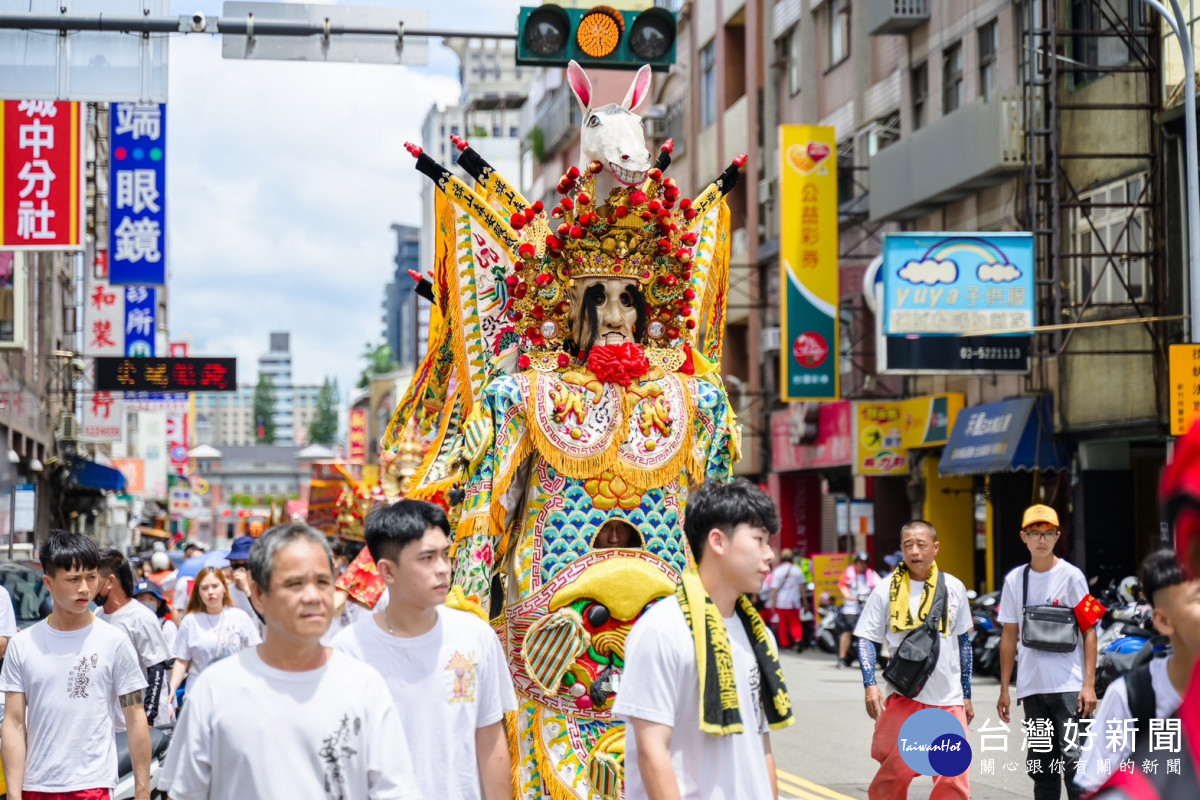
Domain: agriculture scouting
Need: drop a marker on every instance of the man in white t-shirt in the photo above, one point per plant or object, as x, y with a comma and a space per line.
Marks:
914, 585
787, 580
675, 745
1056, 688
8, 621
289, 718
1176, 603
65, 679
444, 667
114, 596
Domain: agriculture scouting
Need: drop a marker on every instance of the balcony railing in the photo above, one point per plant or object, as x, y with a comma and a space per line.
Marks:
896, 16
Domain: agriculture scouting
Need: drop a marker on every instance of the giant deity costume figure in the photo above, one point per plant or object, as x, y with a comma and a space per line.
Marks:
569, 400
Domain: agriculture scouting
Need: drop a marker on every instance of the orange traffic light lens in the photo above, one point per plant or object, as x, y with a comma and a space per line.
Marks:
600, 31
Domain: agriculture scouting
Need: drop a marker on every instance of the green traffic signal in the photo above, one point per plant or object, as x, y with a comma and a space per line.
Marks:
599, 37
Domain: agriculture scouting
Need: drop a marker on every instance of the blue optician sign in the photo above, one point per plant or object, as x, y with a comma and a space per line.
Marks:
137, 194
140, 309
942, 284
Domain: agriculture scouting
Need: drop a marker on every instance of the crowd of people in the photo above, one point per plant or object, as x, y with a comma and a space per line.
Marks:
411, 700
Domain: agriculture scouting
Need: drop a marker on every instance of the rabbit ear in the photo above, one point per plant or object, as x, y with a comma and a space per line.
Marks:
639, 90
580, 85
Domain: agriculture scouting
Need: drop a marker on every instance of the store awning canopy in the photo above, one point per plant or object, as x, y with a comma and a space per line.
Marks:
87, 474
1009, 436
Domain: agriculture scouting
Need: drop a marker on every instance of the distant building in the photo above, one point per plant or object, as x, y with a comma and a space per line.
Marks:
400, 300
225, 419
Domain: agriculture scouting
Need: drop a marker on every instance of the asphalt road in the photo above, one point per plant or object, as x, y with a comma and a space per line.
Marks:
826, 755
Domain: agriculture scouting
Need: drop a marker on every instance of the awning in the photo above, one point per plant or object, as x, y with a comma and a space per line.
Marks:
90, 475
1003, 437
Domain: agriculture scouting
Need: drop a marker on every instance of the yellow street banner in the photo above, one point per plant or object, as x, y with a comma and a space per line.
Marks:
1184, 369
828, 569
808, 263
877, 439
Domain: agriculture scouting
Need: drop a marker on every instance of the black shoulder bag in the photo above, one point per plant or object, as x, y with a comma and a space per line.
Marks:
915, 658
1053, 629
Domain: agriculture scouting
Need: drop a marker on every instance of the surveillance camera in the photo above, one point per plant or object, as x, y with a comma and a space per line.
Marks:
199, 22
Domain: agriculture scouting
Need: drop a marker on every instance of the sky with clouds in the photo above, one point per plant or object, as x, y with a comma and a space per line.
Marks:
283, 179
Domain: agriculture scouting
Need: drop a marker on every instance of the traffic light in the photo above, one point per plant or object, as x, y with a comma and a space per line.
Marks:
599, 37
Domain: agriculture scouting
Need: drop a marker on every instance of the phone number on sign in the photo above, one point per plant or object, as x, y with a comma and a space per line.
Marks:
990, 353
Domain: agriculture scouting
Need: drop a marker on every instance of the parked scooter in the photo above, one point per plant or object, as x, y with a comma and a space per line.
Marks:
160, 740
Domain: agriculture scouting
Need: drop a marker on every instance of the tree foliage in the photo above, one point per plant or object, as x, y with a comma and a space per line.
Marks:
264, 410
324, 427
379, 361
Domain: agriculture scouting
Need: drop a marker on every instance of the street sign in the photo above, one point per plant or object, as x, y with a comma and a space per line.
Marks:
345, 47
949, 300
1184, 376
166, 374
140, 312
103, 317
25, 507
109, 65
41, 175
103, 417
137, 227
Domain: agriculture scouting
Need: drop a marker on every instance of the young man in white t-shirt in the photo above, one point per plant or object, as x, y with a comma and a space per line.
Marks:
289, 717
114, 596
669, 752
949, 685
1176, 602
1058, 687
444, 667
64, 680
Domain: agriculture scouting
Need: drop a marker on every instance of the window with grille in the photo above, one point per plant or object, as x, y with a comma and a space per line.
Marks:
989, 43
1108, 225
793, 60
952, 78
837, 32
708, 84
920, 94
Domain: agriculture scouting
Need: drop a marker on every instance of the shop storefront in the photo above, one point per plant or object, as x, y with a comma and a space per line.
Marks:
1010, 452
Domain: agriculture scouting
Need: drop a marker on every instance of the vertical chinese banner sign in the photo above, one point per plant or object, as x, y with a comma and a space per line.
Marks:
179, 423
139, 320
41, 175
808, 261
137, 191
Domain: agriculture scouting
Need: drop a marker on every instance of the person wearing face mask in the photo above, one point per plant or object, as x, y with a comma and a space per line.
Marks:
237, 578
116, 606
213, 629
149, 594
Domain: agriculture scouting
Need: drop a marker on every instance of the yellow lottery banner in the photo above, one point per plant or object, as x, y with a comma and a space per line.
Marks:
808, 262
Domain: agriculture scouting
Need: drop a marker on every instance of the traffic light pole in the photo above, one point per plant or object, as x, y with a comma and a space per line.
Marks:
239, 26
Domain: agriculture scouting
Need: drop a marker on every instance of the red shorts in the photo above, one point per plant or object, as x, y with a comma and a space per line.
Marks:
78, 794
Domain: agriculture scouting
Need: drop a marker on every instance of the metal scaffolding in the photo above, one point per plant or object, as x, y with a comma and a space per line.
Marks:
1094, 174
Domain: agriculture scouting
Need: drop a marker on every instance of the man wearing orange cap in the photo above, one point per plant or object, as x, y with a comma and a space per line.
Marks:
1046, 603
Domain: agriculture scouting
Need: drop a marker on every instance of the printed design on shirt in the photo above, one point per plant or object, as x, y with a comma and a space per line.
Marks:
755, 692
78, 678
462, 672
335, 750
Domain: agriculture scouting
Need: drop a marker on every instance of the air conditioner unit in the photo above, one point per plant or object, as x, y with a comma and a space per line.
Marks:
68, 428
769, 339
656, 127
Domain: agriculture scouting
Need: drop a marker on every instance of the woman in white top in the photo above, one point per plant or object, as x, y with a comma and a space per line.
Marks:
212, 628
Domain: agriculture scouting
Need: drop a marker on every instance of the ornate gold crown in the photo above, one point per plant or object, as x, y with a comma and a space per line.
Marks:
638, 233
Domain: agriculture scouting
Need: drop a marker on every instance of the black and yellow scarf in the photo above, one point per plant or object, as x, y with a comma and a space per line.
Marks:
899, 597
719, 712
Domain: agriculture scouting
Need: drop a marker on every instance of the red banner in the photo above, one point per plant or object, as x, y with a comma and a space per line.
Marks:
41, 175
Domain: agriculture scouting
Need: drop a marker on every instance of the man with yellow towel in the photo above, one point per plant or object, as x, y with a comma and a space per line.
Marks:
897, 609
